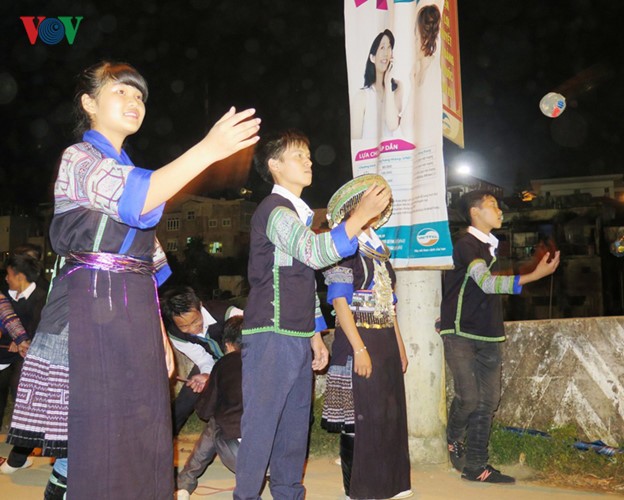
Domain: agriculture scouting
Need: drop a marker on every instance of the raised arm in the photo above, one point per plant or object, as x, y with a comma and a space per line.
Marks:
294, 238
545, 266
489, 283
232, 133
492, 284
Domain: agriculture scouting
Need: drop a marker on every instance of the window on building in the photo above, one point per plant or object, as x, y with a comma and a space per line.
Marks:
172, 245
212, 223
190, 215
215, 247
173, 224
227, 222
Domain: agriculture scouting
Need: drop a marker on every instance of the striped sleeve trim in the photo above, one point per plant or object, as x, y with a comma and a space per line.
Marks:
10, 322
290, 235
480, 273
472, 336
281, 331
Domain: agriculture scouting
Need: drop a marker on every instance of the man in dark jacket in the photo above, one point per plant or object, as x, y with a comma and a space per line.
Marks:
221, 405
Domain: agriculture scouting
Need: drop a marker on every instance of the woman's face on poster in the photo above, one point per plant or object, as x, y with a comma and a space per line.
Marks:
383, 56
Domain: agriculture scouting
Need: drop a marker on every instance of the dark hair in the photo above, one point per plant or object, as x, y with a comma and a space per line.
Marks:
232, 332
370, 74
472, 199
25, 264
273, 148
177, 301
428, 25
91, 80
29, 249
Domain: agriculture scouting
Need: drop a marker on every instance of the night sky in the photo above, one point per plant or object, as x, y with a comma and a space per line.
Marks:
286, 59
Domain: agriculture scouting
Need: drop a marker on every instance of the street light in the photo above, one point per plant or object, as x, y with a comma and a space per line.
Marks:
463, 169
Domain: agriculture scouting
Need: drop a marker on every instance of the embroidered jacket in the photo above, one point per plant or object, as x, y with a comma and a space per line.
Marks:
283, 256
471, 306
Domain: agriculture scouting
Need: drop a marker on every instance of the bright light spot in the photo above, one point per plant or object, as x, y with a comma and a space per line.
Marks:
463, 169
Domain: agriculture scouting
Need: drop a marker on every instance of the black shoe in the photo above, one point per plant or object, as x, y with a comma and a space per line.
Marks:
457, 454
56, 488
487, 474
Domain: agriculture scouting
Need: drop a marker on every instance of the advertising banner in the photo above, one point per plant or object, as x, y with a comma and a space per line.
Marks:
394, 61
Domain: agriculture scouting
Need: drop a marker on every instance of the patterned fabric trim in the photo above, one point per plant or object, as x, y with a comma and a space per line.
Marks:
159, 258
339, 281
460, 298
281, 331
319, 321
10, 322
282, 258
87, 180
286, 231
41, 408
100, 232
338, 409
294, 240
27, 439
479, 271
338, 274
473, 337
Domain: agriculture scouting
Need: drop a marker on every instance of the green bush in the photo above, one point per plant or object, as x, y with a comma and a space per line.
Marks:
322, 443
552, 455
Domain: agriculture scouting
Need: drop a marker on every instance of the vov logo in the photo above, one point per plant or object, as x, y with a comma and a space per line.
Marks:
51, 30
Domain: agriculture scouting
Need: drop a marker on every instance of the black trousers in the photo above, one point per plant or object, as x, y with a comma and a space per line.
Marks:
476, 368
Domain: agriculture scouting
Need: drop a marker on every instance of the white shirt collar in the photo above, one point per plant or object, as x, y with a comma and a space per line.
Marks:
15, 295
490, 239
372, 240
304, 212
208, 319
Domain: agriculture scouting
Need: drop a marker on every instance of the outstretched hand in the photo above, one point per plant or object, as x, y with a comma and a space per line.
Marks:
233, 132
547, 265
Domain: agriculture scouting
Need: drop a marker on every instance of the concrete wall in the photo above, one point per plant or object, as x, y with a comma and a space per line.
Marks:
556, 372
567, 371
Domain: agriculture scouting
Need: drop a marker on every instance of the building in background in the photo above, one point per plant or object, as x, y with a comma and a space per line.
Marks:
459, 184
580, 216
596, 186
223, 225
18, 226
